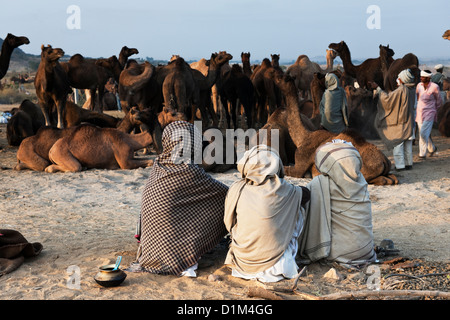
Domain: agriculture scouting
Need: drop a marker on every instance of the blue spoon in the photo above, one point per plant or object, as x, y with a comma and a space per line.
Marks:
119, 259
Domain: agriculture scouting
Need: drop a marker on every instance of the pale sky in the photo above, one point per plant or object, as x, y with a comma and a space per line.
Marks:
194, 29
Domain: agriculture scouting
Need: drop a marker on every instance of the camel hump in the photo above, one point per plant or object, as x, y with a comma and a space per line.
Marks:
302, 59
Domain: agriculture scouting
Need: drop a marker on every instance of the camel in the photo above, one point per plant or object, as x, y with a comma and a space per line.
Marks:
205, 82
303, 71
367, 71
278, 121
33, 152
52, 85
9, 44
133, 85
202, 66
376, 165
180, 89
24, 122
89, 147
91, 74
246, 66
446, 35
408, 61
386, 59
237, 89
124, 54
267, 93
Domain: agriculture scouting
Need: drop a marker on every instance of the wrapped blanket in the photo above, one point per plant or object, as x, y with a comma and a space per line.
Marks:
182, 206
338, 223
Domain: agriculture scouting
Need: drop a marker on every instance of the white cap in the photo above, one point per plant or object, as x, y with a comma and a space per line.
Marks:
439, 66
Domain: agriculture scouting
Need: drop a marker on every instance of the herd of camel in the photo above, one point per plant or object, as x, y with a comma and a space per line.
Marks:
58, 135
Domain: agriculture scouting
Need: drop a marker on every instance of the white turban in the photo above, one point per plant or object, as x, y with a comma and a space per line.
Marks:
425, 73
439, 66
406, 76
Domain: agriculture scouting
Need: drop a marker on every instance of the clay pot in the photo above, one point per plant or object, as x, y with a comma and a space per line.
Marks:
107, 277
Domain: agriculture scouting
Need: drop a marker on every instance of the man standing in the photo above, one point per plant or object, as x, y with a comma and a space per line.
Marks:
428, 102
395, 119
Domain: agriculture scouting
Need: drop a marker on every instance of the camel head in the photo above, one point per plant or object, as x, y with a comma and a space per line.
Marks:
338, 47
385, 51
174, 57
50, 54
446, 35
127, 52
245, 56
15, 42
220, 58
331, 54
169, 115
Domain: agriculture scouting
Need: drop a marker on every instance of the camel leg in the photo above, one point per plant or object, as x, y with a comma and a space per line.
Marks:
60, 107
125, 159
28, 159
62, 158
299, 169
383, 180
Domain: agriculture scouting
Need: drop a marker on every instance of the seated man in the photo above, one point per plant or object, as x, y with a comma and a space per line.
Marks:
182, 207
338, 222
263, 214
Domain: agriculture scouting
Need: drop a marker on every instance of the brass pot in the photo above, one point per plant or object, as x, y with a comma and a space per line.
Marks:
107, 277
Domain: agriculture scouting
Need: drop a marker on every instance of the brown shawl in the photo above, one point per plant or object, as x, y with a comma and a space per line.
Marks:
14, 248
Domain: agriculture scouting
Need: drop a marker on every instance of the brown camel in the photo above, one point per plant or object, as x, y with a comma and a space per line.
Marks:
268, 96
237, 90
202, 66
446, 35
52, 85
33, 152
134, 82
180, 89
24, 122
92, 74
376, 165
367, 71
246, 66
303, 71
278, 121
9, 44
409, 61
92, 147
386, 59
124, 54
206, 82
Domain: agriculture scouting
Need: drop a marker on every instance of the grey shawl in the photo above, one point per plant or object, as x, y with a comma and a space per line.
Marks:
338, 222
333, 106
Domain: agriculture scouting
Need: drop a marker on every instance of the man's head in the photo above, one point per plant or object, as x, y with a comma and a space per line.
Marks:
425, 76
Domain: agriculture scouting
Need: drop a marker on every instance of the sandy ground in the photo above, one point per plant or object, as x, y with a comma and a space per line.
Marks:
86, 219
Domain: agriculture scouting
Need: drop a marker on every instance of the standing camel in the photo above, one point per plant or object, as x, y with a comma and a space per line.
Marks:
52, 85
9, 44
368, 71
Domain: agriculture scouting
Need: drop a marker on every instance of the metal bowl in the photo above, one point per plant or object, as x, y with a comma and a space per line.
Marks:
107, 277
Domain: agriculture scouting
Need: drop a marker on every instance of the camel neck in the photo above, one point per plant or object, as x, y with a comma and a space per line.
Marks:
5, 58
346, 58
296, 128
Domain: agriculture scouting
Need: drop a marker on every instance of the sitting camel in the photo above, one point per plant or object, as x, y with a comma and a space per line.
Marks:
33, 151
24, 122
92, 147
376, 165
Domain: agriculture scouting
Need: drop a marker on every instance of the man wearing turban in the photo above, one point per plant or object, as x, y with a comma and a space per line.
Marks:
395, 119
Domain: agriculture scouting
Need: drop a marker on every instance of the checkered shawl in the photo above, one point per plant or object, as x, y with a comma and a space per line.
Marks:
182, 206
